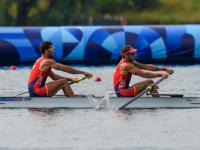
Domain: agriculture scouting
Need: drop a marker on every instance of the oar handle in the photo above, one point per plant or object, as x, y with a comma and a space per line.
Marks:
77, 80
170, 72
151, 86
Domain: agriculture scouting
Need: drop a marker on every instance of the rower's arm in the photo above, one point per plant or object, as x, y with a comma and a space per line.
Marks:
55, 76
134, 70
50, 63
146, 66
67, 69
152, 67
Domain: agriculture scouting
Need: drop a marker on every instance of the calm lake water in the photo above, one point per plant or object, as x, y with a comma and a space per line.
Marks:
155, 129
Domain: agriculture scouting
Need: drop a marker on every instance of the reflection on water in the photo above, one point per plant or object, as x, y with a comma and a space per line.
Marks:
43, 112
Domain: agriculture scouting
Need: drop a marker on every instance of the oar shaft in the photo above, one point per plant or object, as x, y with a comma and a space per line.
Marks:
141, 93
20, 94
136, 97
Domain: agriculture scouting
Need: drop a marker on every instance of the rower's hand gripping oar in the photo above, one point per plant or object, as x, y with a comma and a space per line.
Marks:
148, 88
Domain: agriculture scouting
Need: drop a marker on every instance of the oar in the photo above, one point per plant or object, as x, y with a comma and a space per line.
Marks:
20, 94
148, 88
77, 80
71, 82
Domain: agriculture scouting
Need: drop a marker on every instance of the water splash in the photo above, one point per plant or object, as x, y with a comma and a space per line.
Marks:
93, 100
105, 102
101, 102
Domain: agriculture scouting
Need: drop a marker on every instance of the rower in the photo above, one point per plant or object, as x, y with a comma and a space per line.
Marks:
128, 67
42, 69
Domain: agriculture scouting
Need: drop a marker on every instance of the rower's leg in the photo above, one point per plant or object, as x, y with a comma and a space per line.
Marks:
54, 86
67, 90
141, 86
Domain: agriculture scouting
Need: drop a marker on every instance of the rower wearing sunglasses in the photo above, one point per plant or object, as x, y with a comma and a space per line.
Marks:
127, 67
42, 69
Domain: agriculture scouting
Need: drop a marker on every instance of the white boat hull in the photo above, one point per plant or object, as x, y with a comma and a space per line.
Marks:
92, 103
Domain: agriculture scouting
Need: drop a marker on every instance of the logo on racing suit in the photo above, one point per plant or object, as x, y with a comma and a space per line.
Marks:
121, 84
39, 80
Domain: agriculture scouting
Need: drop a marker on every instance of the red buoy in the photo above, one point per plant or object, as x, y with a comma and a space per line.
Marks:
98, 79
13, 67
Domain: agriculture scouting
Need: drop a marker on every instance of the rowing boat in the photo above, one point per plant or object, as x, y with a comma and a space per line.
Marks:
79, 102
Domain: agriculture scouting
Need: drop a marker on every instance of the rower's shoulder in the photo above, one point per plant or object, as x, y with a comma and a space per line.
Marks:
48, 62
126, 65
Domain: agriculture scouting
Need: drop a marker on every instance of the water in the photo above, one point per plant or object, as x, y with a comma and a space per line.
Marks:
155, 129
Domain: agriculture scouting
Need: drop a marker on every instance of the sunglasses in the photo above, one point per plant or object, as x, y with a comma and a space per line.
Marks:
130, 54
51, 49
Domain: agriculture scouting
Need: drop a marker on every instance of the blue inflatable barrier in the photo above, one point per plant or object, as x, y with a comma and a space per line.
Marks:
102, 44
